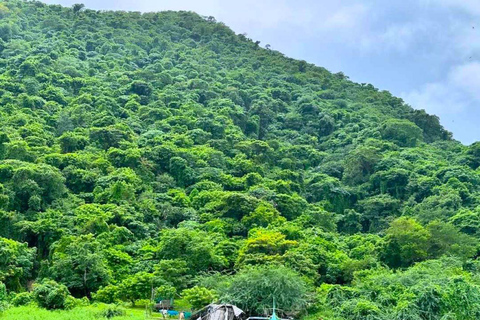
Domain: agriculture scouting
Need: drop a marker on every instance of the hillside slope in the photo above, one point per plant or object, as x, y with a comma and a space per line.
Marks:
162, 147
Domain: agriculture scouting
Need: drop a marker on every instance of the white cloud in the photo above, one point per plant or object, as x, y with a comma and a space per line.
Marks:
456, 94
437, 98
266, 14
402, 36
346, 17
399, 37
467, 78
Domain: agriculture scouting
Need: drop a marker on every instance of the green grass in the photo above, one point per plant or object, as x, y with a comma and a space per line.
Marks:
80, 313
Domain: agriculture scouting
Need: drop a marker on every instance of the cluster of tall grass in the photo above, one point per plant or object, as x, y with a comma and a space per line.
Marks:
80, 313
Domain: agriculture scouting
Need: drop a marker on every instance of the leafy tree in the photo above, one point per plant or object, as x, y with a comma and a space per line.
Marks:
406, 242
165, 292
264, 246
290, 206
195, 247
135, 287
360, 164
473, 155
33, 186
446, 239
468, 221
263, 216
199, 297
79, 263
235, 205
78, 7
402, 132
430, 125
180, 171
393, 181
378, 210
174, 271
255, 289
71, 142
109, 136
141, 88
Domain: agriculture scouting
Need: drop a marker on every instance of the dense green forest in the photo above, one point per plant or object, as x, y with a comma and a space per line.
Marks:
162, 150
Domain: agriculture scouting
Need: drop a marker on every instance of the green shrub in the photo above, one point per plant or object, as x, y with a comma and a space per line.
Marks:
106, 294
22, 299
71, 302
113, 311
51, 295
83, 302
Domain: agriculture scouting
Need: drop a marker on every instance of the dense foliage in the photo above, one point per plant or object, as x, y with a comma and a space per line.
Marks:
51, 295
163, 151
255, 289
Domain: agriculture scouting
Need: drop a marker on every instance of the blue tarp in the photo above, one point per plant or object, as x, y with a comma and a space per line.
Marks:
172, 313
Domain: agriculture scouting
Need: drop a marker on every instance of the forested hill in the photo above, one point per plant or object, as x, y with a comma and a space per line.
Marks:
162, 149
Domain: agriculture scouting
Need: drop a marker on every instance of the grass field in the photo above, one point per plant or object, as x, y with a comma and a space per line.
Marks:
80, 313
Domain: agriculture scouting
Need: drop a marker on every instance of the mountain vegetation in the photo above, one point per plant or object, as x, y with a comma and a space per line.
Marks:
163, 151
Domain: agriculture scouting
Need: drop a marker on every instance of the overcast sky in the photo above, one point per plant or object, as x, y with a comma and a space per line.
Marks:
425, 51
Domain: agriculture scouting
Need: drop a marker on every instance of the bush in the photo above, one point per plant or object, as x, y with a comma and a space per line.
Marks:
106, 294
83, 302
52, 295
113, 311
71, 302
22, 299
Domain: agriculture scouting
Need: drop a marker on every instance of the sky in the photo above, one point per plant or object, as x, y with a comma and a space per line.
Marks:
424, 51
